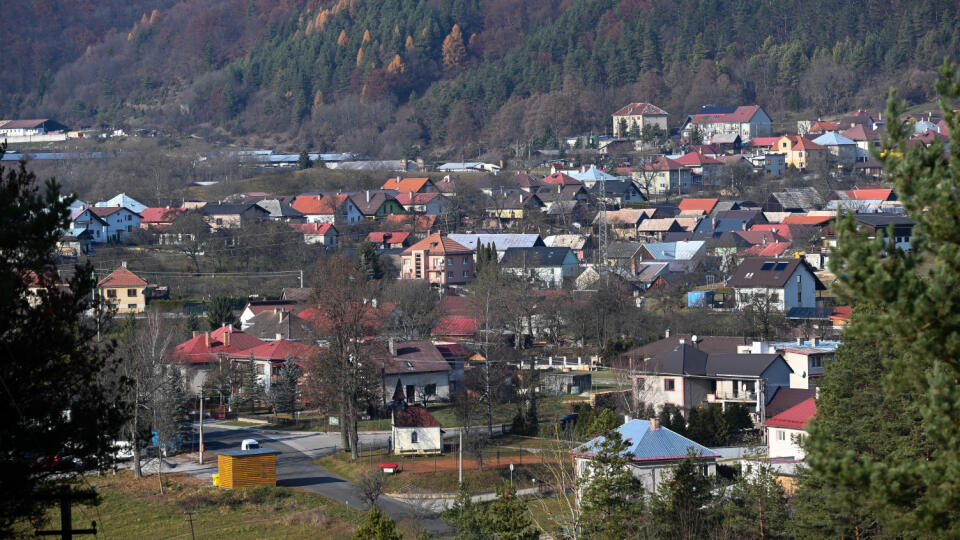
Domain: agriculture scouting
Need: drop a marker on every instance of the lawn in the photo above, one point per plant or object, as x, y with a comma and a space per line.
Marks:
439, 474
133, 508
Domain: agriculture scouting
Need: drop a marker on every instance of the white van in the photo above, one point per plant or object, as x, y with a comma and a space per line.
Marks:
249, 444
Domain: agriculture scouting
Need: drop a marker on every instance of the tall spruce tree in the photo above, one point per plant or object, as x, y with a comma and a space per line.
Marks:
682, 508
612, 504
55, 396
914, 295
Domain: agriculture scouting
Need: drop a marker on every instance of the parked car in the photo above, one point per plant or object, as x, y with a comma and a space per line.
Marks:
249, 444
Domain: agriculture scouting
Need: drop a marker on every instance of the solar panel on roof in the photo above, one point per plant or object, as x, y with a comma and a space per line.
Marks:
781, 266
767, 266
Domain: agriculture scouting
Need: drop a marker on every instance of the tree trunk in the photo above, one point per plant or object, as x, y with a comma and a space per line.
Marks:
344, 433
137, 469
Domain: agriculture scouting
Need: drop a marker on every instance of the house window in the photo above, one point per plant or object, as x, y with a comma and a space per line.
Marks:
413, 438
466, 274
219, 221
131, 306
816, 361
430, 390
641, 383
463, 261
406, 262
260, 369
781, 435
450, 275
111, 293
450, 261
669, 385
131, 292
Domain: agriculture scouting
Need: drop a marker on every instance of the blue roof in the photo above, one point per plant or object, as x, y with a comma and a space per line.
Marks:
832, 138
645, 444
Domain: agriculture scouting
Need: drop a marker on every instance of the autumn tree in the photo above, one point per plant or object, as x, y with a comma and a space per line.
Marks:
454, 51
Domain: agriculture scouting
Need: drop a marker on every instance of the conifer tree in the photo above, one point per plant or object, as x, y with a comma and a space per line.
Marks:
681, 508
454, 51
612, 504
377, 526
913, 295
507, 517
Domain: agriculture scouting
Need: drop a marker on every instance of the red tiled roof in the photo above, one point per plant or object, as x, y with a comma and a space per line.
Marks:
774, 249
706, 205
661, 163
634, 109
121, 277
455, 326
316, 204
696, 158
801, 143
558, 178
807, 220
870, 194
415, 416
781, 230
404, 185
841, 314
764, 141
742, 114
759, 237
460, 306
372, 318
196, 350
313, 228
385, 237
160, 215
419, 223
278, 350
436, 244
795, 417
418, 198
860, 133
822, 125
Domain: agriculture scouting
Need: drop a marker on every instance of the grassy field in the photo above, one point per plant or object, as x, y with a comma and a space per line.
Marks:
133, 508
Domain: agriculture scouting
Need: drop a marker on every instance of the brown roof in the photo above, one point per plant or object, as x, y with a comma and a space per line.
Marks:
634, 109
415, 416
707, 344
413, 357
121, 277
761, 272
786, 398
436, 244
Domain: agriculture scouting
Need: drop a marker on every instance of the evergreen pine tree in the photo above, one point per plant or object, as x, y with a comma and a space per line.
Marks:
283, 393
756, 506
303, 162
377, 526
220, 312
682, 506
612, 504
368, 261
507, 517
465, 515
913, 293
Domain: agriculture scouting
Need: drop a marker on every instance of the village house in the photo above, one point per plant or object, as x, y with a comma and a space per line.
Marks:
423, 203
407, 185
635, 116
786, 431
425, 375
747, 121
842, 151
328, 208
281, 324
501, 241
616, 193
322, 234
794, 200
508, 208
438, 260
268, 358
233, 216
805, 358
654, 452
801, 153
125, 201
107, 224
205, 352
550, 266
784, 283
256, 307
376, 204
159, 219
873, 224
578, 243
681, 256
281, 211
29, 127
124, 290
389, 240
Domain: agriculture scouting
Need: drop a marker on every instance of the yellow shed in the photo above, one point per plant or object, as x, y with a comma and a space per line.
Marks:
247, 468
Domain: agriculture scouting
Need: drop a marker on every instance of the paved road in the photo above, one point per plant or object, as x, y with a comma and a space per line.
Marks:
295, 468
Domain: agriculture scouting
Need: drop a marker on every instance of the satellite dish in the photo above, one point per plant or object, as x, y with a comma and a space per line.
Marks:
693, 338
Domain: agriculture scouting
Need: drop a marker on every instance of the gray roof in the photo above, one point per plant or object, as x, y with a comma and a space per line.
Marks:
800, 198
650, 271
530, 257
502, 241
279, 209
223, 209
266, 325
883, 220
740, 365
683, 359
760, 272
622, 249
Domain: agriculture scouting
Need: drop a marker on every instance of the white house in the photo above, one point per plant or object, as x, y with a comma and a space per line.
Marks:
83, 219
108, 224
123, 200
425, 374
654, 451
747, 121
546, 264
790, 282
786, 431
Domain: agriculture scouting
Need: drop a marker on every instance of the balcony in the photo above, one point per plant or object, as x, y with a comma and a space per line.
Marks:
742, 397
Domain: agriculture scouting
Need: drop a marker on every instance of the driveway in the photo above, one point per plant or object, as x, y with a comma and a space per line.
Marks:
295, 468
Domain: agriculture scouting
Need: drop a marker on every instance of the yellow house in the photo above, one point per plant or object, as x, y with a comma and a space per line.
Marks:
124, 290
800, 152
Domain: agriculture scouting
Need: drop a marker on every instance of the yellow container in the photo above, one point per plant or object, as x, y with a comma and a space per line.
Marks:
216, 479
247, 468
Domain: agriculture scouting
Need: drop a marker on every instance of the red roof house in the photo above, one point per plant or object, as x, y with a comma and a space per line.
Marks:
795, 417
694, 205
208, 347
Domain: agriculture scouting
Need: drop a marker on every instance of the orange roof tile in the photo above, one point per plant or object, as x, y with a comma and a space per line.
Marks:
807, 220
121, 277
706, 205
406, 184
436, 244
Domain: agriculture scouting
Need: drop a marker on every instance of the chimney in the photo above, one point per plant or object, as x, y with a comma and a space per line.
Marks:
123, 264
666, 334
374, 303
654, 424
392, 345
814, 341
226, 336
368, 195
196, 333
799, 341
627, 418
682, 341
279, 336
206, 339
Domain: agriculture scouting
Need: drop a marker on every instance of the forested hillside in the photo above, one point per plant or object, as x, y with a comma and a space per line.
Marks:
384, 76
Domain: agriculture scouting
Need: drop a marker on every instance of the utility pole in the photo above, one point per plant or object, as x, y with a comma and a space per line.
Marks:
67, 531
193, 535
201, 437
460, 465
301, 278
